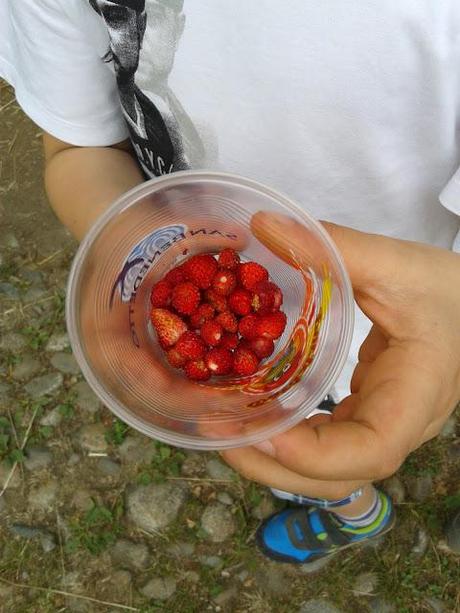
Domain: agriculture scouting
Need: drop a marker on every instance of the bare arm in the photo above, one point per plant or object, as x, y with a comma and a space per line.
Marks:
81, 182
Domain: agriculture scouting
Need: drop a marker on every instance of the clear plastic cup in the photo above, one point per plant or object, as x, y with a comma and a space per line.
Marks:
154, 227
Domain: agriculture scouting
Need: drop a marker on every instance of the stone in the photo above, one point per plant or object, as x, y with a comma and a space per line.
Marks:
2, 504
10, 241
395, 489
5, 393
225, 597
181, 549
52, 418
318, 606
34, 293
92, 438
65, 363
433, 605
225, 498
272, 579
450, 427
43, 497
12, 341
58, 342
5, 470
26, 369
9, 291
37, 458
212, 561
128, 554
83, 500
420, 543
44, 385
420, 488
47, 540
265, 508
453, 534
454, 451
31, 276
314, 567
191, 576
74, 459
159, 588
219, 471
86, 399
108, 467
365, 584
380, 605
192, 465
155, 506
137, 450
218, 523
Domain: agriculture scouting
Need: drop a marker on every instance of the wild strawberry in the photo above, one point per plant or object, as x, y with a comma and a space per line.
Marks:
248, 326
197, 370
245, 362
175, 358
175, 276
228, 258
224, 282
229, 341
202, 314
250, 273
262, 347
160, 295
228, 321
218, 302
185, 298
212, 332
271, 325
169, 327
190, 346
267, 297
239, 301
219, 361
200, 269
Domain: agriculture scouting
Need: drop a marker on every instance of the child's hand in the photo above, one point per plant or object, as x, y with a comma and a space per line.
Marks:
407, 381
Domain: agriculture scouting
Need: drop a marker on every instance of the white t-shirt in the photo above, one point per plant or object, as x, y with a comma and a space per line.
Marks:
351, 108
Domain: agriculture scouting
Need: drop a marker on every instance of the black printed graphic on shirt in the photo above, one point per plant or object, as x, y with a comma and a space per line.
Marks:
144, 36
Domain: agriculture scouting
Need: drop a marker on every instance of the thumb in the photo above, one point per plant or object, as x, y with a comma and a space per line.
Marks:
366, 256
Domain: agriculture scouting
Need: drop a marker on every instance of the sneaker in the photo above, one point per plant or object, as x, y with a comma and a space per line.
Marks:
305, 534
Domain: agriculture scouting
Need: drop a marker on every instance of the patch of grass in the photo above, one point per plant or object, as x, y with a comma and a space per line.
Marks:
97, 530
428, 459
117, 432
36, 337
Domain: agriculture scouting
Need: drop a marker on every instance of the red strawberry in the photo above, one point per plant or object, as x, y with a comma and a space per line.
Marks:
200, 269
267, 297
212, 332
218, 302
175, 358
168, 326
271, 325
229, 341
224, 282
160, 294
219, 361
175, 276
245, 362
262, 347
228, 321
239, 301
228, 258
250, 273
185, 298
202, 314
190, 346
197, 370
248, 326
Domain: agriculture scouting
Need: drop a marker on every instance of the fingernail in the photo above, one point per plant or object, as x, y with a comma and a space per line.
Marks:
266, 447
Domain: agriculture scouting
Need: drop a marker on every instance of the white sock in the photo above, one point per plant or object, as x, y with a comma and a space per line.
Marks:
366, 518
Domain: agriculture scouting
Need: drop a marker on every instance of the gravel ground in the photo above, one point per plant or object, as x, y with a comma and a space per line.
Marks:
95, 517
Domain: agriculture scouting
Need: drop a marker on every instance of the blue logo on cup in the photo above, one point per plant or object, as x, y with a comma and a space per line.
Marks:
142, 256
